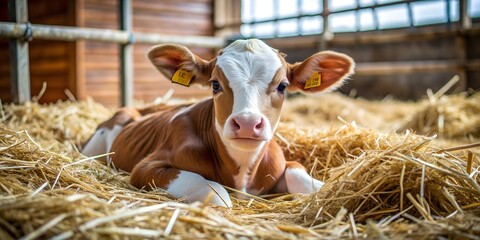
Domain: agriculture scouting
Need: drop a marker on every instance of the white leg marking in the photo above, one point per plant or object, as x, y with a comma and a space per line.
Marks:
299, 181
97, 143
111, 135
102, 141
194, 187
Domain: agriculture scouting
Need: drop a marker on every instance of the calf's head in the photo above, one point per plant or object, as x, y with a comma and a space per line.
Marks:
248, 81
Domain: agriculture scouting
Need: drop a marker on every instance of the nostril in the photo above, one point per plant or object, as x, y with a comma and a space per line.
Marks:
235, 125
259, 125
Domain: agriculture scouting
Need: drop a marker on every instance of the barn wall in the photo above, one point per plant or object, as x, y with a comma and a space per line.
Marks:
51, 62
98, 62
91, 69
190, 17
100, 70
406, 46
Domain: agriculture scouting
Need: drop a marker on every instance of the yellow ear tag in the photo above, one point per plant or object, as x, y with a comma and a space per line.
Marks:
314, 81
183, 77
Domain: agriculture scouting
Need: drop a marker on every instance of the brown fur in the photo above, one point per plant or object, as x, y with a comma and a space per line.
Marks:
155, 149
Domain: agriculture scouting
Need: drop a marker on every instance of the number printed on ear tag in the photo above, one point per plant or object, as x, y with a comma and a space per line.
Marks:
183, 77
313, 81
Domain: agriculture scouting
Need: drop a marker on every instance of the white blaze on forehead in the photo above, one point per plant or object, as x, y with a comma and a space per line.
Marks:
249, 66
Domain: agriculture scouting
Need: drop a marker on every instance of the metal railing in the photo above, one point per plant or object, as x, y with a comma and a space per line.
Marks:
20, 32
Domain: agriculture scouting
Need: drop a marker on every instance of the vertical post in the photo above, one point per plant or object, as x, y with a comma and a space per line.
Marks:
376, 25
357, 17
410, 14
461, 50
276, 15
299, 21
465, 20
462, 59
126, 52
448, 9
326, 35
19, 62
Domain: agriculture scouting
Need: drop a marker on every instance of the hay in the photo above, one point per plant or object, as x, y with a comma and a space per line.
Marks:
377, 186
323, 111
64, 121
456, 116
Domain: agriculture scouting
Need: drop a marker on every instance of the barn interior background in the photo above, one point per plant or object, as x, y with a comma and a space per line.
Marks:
92, 53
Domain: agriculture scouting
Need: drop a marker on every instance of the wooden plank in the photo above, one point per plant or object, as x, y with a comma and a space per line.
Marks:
182, 7
79, 55
154, 24
53, 19
48, 50
54, 81
389, 68
95, 15
38, 9
99, 65
54, 66
71, 78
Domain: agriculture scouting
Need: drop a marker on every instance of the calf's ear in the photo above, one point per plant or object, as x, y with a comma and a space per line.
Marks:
322, 71
180, 65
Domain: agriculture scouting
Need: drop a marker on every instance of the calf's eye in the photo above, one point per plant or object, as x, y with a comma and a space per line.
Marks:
281, 87
216, 86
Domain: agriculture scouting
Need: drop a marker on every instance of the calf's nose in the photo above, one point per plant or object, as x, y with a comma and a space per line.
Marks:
247, 126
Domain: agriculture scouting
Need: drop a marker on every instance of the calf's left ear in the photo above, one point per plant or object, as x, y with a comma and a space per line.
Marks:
322, 71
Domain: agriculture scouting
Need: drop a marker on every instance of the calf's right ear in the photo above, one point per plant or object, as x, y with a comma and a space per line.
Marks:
323, 71
175, 61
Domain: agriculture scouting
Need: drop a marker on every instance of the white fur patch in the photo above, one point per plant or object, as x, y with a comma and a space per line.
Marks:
249, 66
244, 159
193, 187
299, 181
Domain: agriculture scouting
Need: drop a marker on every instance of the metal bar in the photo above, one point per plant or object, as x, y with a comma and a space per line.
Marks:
326, 30
49, 32
299, 22
19, 60
357, 17
448, 9
410, 14
126, 55
465, 20
376, 24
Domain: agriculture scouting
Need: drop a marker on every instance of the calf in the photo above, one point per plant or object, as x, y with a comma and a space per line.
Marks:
193, 149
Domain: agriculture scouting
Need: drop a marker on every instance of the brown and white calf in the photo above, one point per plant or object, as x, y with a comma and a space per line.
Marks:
190, 149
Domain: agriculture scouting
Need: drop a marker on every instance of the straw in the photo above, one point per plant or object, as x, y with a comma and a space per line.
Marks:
373, 179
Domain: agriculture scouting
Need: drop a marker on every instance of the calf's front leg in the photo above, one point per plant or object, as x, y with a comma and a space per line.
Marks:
181, 184
296, 180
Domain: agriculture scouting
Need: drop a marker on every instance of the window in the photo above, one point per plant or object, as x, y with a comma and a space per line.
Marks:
269, 18
279, 18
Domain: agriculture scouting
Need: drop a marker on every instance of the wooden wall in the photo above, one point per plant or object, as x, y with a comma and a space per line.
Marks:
100, 70
186, 17
50, 61
98, 62
91, 69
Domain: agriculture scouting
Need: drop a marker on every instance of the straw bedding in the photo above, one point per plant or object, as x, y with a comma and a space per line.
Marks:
379, 184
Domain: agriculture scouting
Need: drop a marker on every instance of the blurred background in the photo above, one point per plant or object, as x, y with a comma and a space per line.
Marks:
402, 48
